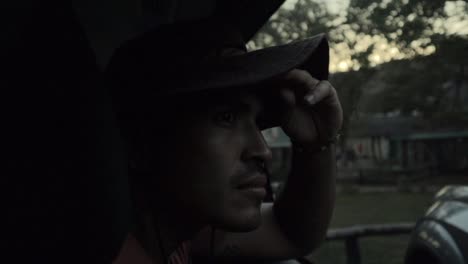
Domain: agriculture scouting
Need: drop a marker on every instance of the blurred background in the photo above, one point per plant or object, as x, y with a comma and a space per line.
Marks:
400, 68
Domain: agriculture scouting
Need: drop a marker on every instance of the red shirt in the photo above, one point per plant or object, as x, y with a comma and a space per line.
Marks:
133, 253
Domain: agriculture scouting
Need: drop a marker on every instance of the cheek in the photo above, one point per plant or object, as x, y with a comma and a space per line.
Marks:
212, 154
204, 173
212, 190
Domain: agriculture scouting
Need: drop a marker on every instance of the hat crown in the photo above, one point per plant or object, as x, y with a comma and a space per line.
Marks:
187, 41
189, 57
172, 50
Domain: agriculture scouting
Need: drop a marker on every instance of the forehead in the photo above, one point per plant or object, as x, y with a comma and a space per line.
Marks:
210, 99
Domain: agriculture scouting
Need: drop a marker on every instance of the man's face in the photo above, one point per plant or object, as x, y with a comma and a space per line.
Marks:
216, 158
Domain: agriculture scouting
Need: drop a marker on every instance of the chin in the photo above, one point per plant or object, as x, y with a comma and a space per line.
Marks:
241, 220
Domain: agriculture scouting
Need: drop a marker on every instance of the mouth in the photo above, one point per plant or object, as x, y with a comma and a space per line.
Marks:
258, 180
254, 186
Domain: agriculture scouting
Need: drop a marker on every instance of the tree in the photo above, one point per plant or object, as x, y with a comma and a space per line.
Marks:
431, 86
406, 24
413, 29
305, 19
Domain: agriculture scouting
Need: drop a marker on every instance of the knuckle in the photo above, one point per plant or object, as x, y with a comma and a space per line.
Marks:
300, 71
326, 84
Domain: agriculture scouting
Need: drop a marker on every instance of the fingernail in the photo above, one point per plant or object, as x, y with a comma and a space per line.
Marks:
310, 98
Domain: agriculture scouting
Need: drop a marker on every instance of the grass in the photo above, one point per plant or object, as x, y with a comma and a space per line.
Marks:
373, 208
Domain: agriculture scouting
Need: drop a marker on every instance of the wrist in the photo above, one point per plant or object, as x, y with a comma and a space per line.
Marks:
316, 147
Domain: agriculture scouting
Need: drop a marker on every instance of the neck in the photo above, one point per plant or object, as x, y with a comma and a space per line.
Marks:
161, 233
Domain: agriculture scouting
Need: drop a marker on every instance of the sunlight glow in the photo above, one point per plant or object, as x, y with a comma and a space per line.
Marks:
343, 66
376, 58
335, 6
394, 51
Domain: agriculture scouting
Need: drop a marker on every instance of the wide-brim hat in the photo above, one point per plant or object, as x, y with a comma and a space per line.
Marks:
204, 55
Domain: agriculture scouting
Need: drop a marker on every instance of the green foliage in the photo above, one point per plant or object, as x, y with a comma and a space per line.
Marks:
307, 18
406, 24
415, 84
401, 22
429, 85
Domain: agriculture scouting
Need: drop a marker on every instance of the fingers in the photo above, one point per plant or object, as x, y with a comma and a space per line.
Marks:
319, 93
298, 88
287, 97
301, 81
309, 88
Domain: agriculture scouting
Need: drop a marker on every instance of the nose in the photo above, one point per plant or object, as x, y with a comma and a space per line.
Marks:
257, 147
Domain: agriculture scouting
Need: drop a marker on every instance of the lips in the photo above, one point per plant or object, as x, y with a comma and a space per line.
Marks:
253, 182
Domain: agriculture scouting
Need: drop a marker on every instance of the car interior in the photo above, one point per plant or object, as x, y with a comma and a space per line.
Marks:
65, 177
64, 182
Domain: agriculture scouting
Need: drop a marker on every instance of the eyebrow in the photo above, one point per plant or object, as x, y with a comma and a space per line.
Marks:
246, 105
242, 101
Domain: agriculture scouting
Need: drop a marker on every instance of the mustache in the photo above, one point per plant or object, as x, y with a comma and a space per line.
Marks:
256, 166
252, 168
252, 174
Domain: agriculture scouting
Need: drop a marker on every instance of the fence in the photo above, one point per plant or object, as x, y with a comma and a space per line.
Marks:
351, 236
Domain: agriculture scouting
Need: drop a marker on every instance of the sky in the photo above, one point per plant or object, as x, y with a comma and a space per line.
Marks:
340, 59
334, 5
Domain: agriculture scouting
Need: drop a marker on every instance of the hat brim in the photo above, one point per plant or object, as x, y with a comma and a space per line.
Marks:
255, 67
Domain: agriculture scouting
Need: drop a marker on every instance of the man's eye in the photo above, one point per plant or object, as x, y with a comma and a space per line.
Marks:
226, 118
